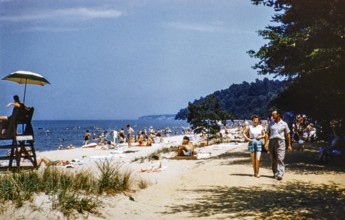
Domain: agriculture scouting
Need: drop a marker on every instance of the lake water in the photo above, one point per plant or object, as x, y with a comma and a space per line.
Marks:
49, 134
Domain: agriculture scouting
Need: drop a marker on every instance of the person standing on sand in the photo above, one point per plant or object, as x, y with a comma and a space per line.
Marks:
130, 133
87, 137
275, 144
115, 134
254, 135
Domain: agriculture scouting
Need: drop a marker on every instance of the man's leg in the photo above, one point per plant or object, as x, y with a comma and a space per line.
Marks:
280, 158
272, 147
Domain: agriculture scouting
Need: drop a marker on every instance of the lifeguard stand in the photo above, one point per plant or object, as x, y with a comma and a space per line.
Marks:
18, 138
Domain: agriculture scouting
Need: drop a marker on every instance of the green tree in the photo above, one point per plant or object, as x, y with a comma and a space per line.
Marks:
308, 48
245, 99
206, 114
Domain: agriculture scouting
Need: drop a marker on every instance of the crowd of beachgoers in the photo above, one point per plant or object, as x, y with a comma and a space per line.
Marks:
161, 151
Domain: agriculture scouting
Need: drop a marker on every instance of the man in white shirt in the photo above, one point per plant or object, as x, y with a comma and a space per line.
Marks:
275, 144
115, 134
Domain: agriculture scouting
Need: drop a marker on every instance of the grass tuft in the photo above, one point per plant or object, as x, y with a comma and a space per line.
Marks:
110, 180
69, 192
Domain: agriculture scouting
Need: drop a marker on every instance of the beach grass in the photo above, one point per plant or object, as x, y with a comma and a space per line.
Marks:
111, 180
69, 202
157, 152
68, 191
143, 184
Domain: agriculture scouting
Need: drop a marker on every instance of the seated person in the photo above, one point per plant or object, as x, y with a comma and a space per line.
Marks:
149, 142
158, 138
48, 162
334, 148
186, 149
4, 119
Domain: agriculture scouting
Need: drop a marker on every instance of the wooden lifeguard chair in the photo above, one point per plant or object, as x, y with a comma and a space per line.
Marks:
18, 138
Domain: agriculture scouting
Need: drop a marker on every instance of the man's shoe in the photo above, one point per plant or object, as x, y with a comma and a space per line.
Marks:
279, 178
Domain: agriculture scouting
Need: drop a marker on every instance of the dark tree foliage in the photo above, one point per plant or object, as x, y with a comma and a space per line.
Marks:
206, 114
308, 47
245, 99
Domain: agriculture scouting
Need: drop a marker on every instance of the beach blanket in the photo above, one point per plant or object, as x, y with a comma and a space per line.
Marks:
183, 158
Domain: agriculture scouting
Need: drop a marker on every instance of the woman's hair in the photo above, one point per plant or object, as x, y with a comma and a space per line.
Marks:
16, 98
255, 116
186, 138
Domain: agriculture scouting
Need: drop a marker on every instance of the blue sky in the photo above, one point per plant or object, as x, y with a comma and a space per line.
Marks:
121, 59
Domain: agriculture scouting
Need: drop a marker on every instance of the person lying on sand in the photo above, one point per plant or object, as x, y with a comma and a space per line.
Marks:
154, 166
186, 149
48, 162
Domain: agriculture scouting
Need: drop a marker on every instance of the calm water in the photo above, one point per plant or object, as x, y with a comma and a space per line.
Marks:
50, 134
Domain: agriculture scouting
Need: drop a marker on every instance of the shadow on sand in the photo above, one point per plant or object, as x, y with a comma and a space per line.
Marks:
299, 162
295, 200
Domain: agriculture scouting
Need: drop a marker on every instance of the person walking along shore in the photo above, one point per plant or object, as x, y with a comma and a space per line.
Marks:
254, 135
277, 132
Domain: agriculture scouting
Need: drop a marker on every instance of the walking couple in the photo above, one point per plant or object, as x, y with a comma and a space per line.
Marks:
275, 138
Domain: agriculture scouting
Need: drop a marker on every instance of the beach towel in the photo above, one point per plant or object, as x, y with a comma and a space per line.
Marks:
184, 158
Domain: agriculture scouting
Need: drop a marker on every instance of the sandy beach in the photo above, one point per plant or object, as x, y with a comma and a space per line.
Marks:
219, 186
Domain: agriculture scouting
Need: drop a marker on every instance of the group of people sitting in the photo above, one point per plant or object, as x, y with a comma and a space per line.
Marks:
335, 147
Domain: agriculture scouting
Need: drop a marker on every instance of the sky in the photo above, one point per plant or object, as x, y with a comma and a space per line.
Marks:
122, 59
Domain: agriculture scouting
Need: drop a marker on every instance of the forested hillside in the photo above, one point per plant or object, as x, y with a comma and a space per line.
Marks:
245, 99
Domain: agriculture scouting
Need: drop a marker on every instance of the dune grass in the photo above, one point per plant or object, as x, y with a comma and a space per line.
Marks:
69, 192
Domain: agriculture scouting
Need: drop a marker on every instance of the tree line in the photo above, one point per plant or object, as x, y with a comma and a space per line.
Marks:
243, 100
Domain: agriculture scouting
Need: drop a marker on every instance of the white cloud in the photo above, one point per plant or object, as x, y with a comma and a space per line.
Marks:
217, 27
64, 14
197, 27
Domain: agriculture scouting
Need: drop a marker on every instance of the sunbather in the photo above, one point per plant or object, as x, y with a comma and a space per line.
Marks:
154, 166
48, 162
186, 149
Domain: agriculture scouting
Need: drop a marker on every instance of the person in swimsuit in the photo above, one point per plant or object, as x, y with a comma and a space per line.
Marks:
186, 149
48, 162
87, 137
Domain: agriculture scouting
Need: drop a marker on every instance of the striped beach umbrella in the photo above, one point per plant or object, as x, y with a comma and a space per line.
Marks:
26, 77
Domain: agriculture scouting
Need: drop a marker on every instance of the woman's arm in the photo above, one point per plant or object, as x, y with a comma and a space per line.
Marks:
245, 133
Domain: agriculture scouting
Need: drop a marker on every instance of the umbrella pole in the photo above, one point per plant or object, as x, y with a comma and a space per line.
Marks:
24, 91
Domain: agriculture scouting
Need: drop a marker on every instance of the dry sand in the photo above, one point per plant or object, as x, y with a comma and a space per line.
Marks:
220, 187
